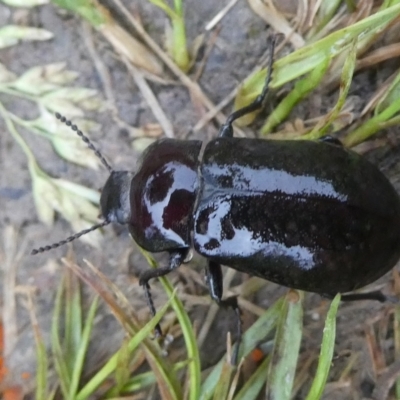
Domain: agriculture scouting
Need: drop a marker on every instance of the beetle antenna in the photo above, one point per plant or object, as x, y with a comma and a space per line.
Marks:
85, 139
69, 239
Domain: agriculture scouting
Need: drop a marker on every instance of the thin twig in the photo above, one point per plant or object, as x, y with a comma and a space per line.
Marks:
221, 14
150, 98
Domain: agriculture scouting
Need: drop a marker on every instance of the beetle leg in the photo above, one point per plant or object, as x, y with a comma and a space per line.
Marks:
215, 286
226, 129
175, 260
376, 295
330, 139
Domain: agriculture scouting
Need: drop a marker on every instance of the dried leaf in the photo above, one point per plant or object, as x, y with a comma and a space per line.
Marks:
12, 34
62, 106
34, 81
280, 24
44, 196
70, 101
79, 190
74, 94
56, 73
6, 75
127, 45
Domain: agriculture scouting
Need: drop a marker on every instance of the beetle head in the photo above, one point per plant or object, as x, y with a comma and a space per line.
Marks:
114, 200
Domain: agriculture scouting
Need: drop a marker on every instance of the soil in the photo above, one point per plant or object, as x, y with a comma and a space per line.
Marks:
239, 47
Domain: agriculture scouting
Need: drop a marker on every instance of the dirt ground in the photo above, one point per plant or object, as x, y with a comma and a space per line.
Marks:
240, 45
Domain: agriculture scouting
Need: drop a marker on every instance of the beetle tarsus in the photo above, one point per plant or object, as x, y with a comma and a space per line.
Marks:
375, 295
215, 285
150, 304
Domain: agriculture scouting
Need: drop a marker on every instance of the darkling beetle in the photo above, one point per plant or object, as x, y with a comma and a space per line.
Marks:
309, 215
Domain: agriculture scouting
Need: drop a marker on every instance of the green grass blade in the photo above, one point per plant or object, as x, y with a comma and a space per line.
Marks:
178, 49
251, 389
326, 353
286, 348
42, 365
188, 335
345, 81
326, 12
83, 347
385, 115
392, 94
112, 363
251, 338
224, 382
85, 8
309, 57
247, 92
301, 89
73, 320
314, 55
141, 381
58, 354
180, 52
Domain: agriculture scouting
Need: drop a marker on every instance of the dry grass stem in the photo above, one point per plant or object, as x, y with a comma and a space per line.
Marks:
220, 15
193, 87
126, 45
277, 21
11, 256
151, 99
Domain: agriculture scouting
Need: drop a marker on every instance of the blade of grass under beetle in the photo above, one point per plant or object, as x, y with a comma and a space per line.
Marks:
326, 353
141, 381
112, 363
223, 386
73, 319
58, 356
42, 365
251, 338
187, 331
167, 380
82, 349
252, 388
282, 368
122, 372
42, 361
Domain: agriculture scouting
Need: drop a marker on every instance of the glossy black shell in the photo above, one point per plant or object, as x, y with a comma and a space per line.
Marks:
304, 214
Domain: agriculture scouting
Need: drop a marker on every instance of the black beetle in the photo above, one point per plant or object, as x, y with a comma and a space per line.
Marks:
309, 215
